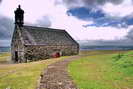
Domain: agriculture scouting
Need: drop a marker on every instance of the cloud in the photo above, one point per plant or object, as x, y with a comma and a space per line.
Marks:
33, 11
100, 18
126, 40
115, 13
121, 10
76, 28
6, 28
111, 21
130, 35
5, 43
89, 3
44, 21
83, 21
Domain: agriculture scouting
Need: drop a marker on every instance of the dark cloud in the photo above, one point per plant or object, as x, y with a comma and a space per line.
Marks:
89, 3
99, 2
6, 28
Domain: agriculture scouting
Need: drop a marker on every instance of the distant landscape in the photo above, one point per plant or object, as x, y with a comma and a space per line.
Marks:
106, 47
7, 49
4, 49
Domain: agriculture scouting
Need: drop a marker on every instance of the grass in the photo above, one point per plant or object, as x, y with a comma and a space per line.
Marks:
22, 76
4, 57
103, 70
99, 70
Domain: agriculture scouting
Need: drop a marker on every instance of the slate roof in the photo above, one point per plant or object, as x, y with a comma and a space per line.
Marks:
45, 36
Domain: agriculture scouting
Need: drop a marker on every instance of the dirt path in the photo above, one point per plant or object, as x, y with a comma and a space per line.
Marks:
57, 77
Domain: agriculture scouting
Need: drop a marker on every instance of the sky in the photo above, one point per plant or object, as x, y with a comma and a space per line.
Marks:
95, 22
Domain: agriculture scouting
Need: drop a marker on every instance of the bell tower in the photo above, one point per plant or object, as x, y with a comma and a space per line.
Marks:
19, 16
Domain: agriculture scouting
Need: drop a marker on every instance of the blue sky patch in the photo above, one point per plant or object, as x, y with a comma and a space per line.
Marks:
99, 18
85, 13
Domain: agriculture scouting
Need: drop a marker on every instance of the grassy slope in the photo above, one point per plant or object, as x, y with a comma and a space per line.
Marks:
21, 76
103, 70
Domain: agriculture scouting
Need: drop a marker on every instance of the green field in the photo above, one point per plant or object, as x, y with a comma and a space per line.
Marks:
21, 76
103, 70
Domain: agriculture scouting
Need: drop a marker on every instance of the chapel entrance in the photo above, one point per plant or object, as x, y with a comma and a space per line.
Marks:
16, 56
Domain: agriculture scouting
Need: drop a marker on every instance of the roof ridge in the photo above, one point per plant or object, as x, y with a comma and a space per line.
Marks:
46, 28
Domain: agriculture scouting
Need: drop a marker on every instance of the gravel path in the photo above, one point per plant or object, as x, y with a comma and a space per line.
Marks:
56, 76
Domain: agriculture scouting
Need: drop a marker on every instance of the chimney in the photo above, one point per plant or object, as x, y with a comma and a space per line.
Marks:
19, 16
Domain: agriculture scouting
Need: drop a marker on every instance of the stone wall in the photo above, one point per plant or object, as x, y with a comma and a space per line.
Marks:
34, 53
17, 46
